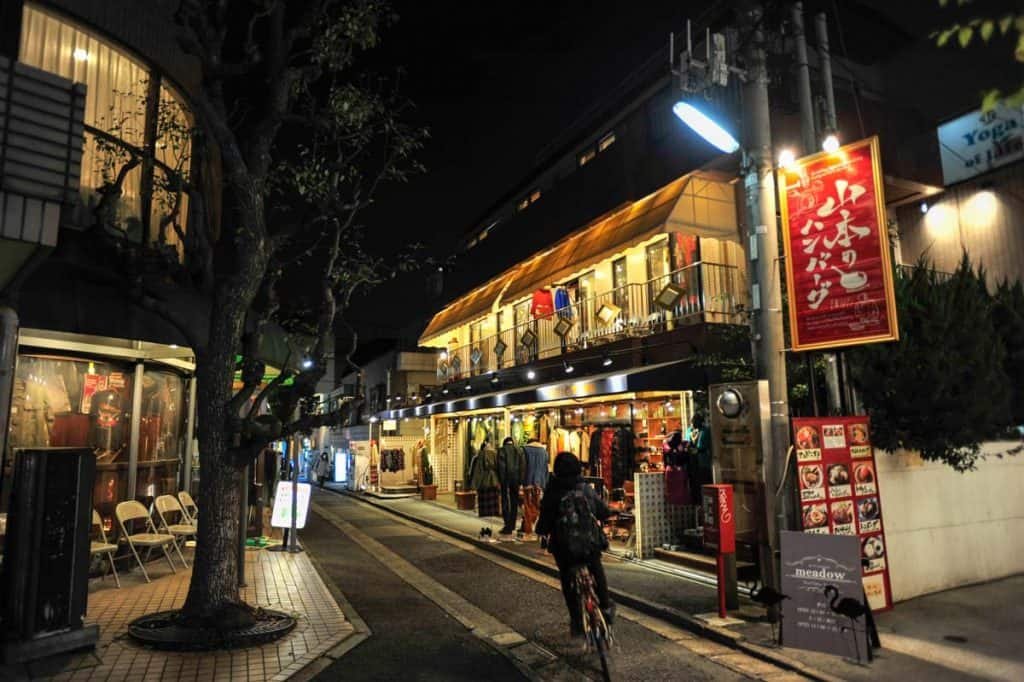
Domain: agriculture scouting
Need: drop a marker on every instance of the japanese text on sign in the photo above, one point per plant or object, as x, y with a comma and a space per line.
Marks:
837, 249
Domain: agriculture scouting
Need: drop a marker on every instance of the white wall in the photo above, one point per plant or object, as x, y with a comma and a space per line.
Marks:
946, 529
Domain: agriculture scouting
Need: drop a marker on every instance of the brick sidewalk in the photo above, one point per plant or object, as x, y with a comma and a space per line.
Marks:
287, 582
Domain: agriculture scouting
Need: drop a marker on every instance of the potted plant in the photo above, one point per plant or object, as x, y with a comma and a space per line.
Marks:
428, 491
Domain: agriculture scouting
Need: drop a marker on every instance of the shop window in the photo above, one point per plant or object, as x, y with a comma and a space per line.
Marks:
161, 429
65, 402
606, 141
173, 151
620, 295
586, 157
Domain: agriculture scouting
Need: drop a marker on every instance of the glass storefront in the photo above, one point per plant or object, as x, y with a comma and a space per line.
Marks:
63, 401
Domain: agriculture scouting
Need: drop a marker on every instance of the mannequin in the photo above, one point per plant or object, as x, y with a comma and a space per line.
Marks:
511, 470
534, 480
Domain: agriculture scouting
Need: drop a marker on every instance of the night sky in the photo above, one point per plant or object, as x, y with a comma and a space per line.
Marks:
496, 82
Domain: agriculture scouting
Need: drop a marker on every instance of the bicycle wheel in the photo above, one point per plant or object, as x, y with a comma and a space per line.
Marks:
602, 651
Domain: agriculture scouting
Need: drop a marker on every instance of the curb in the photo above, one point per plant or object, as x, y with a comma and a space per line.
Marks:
674, 616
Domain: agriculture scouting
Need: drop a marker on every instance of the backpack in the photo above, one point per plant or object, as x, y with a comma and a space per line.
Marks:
578, 535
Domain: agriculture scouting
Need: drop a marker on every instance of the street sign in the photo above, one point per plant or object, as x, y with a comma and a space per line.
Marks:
282, 516
838, 265
810, 564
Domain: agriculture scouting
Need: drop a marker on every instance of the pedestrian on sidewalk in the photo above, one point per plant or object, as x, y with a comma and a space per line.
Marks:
511, 468
322, 468
569, 516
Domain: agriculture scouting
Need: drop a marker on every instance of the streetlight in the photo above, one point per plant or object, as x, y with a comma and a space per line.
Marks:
831, 143
704, 126
307, 363
787, 158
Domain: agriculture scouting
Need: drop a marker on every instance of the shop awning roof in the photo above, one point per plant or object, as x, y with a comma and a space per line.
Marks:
678, 375
598, 240
586, 246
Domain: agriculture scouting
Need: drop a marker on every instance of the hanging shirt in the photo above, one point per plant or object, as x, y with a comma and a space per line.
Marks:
563, 304
542, 305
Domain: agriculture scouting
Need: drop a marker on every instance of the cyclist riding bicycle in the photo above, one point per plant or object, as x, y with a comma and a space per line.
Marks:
569, 515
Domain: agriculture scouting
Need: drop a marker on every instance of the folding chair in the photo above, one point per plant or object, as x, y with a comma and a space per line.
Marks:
104, 547
188, 505
132, 510
167, 504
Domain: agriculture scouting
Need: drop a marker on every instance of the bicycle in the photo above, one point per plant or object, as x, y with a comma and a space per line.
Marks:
596, 630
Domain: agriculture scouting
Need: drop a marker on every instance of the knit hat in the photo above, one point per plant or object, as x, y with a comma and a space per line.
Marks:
567, 465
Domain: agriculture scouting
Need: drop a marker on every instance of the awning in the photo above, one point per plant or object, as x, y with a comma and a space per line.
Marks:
463, 309
678, 375
598, 240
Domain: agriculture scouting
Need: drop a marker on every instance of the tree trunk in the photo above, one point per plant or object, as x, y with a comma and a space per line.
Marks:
213, 595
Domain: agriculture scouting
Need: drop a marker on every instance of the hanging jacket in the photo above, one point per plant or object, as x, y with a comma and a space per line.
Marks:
511, 463
542, 304
536, 465
563, 304
623, 457
485, 469
595, 450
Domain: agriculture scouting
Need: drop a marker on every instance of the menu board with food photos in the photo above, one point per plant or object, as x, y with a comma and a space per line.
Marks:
838, 484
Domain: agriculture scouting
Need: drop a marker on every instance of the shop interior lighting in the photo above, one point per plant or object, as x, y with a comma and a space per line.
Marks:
607, 361
787, 158
831, 143
569, 369
704, 126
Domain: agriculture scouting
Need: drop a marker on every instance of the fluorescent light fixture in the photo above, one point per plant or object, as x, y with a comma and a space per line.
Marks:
787, 158
80, 54
705, 127
831, 143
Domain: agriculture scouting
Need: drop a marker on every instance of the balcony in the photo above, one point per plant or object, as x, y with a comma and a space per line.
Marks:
710, 293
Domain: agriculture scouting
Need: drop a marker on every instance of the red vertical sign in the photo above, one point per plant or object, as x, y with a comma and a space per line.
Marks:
719, 518
838, 268
838, 484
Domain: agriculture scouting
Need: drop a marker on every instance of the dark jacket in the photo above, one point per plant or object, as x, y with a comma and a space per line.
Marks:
557, 488
511, 464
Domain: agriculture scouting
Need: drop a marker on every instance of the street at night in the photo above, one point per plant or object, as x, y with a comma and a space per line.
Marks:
558, 340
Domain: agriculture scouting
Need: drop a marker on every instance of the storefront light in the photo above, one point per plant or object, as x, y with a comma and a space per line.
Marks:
80, 54
531, 375
787, 158
831, 143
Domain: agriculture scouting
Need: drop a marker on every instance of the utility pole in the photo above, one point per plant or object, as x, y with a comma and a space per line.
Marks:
803, 80
767, 336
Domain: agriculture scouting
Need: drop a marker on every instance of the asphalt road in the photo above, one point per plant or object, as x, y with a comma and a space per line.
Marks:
414, 638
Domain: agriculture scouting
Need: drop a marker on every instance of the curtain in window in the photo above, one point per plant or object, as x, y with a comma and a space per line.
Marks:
115, 100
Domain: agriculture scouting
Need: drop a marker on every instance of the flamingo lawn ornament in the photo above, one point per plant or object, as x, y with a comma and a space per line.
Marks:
768, 597
851, 608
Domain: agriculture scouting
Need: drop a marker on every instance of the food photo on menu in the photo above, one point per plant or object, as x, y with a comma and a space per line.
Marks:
842, 518
811, 482
839, 481
858, 434
864, 479
816, 518
868, 513
807, 438
872, 551
834, 436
